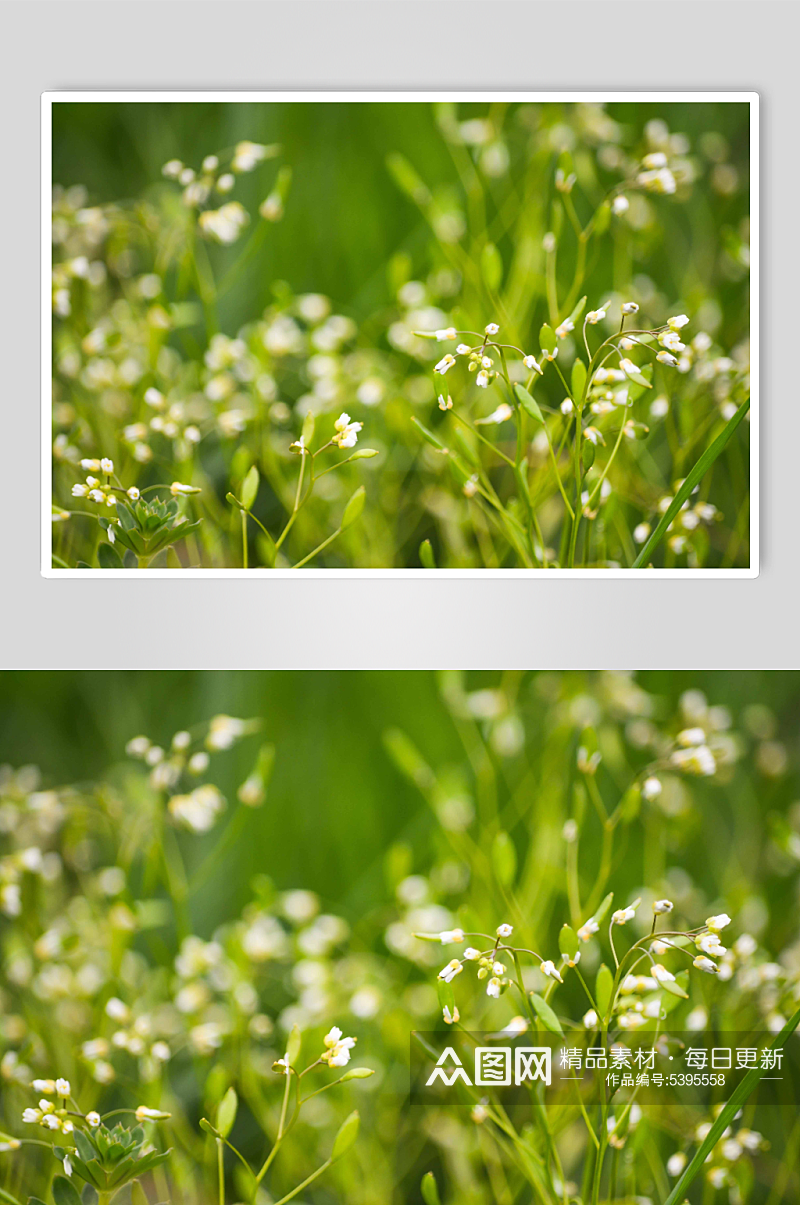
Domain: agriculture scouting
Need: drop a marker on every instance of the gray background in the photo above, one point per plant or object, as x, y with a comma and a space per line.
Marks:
312, 623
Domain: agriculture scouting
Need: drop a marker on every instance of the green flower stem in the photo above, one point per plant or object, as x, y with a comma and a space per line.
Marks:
244, 539
221, 1170
318, 548
306, 1182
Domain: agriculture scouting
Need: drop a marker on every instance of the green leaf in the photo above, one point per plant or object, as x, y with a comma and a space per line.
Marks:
705, 462
726, 1115
630, 804
293, 1045
429, 1190
364, 454
604, 985
546, 1015
108, 557
356, 1073
407, 179
578, 379
354, 508
576, 313
674, 988
65, 1192
604, 907
428, 435
234, 501
491, 267
6, 1196
84, 1145
125, 515
547, 338
446, 996
138, 1195
308, 429
568, 941
250, 488
426, 555
504, 859
348, 1132
528, 404
226, 1113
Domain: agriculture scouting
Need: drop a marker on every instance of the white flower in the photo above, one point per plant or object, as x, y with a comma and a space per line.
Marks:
444, 364
629, 307
717, 923
550, 355
452, 969
679, 321
671, 340
709, 943
107, 465
247, 155
623, 915
225, 224
31, 1116
662, 906
448, 333
587, 929
498, 968
567, 407
143, 1113
445, 405
628, 366
63, 1088
178, 487
651, 787
501, 415
661, 180
493, 988
91, 466
337, 1052
595, 316
482, 380
506, 930
549, 968
654, 161
471, 954
96, 496
92, 1119
46, 1086
620, 205
451, 936
661, 974
79, 491
564, 328
346, 432
590, 1019
666, 357
492, 328
133, 493
676, 1163
705, 964
530, 363
698, 760
463, 349
450, 1018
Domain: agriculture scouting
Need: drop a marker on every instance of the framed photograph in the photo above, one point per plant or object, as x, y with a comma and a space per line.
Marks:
400, 334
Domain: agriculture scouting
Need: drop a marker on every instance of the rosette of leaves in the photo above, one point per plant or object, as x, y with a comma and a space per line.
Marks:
105, 1159
146, 527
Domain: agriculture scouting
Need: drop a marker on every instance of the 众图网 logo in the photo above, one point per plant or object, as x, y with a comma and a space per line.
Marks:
494, 1065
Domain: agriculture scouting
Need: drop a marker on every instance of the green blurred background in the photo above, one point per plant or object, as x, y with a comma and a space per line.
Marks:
345, 216
337, 802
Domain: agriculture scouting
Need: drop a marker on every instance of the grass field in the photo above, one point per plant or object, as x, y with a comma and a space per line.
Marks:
232, 279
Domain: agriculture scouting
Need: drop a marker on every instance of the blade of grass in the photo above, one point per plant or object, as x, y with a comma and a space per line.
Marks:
697, 473
738, 1097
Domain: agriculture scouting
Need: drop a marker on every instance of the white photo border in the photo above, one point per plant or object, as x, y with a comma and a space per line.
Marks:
409, 97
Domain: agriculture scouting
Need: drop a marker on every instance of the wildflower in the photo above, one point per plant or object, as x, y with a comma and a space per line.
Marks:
501, 415
698, 760
248, 155
346, 431
143, 1113
92, 1119
445, 404
623, 915
482, 380
225, 224
665, 357
662, 975
177, 488
492, 328
590, 1019
709, 943
564, 328
662, 906
651, 787
471, 954
498, 968
654, 161
463, 349
448, 333
550, 355
671, 341
107, 465
172, 169
444, 364
493, 988
628, 366
587, 929
337, 1052
595, 316
451, 936
567, 407
660, 180
47, 1087
716, 923
705, 964
479, 1114
452, 969
549, 968
450, 1018
133, 493
620, 205
31, 1116
629, 307
530, 363
506, 930
63, 1088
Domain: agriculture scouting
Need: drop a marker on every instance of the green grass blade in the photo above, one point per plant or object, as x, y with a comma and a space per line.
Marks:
695, 476
739, 1096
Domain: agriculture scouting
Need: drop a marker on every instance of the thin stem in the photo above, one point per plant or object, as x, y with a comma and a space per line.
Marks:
244, 540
